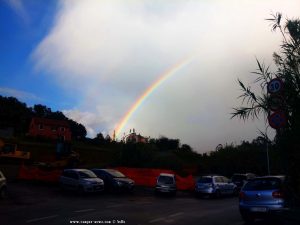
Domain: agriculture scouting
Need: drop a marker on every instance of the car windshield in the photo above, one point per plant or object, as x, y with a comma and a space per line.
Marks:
165, 180
87, 174
263, 184
205, 180
238, 178
116, 174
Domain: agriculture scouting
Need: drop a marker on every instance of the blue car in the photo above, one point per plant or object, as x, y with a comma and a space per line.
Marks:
215, 186
263, 197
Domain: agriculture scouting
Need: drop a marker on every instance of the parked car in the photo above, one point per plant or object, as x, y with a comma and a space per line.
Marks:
240, 179
81, 180
114, 180
166, 183
3, 186
263, 196
215, 186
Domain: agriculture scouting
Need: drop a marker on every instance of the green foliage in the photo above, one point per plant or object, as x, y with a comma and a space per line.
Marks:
287, 62
244, 158
17, 115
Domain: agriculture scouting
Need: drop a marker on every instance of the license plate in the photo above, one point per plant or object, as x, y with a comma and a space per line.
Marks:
258, 209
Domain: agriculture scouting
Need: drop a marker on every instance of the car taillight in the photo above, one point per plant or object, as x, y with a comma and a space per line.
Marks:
278, 194
241, 195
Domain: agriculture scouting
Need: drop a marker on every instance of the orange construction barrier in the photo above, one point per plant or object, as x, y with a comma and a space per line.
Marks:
147, 177
36, 173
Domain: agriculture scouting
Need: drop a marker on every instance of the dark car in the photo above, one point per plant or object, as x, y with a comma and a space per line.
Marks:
114, 180
263, 197
240, 179
166, 183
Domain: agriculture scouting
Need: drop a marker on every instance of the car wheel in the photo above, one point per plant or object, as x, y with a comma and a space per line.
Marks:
3, 193
62, 187
247, 217
198, 195
235, 192
217, 194
80, 190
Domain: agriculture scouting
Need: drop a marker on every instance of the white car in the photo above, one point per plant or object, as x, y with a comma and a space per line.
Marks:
3, 186
81, 180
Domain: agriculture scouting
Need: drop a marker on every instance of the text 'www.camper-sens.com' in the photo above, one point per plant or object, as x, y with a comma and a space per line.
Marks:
97, 222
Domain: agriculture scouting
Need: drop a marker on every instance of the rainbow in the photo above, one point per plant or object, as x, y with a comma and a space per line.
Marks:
162, 78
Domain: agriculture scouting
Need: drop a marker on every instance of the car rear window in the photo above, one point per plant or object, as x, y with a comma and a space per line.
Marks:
263, 184
87, 174
116, 174
205, 180
165, 180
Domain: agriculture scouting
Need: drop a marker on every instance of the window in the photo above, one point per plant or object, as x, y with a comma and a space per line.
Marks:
205, 180
70, 174
218, 180
225, 179
41, 126
54, 129
263, 184
62, 129
165, 180
87, 174
73, 175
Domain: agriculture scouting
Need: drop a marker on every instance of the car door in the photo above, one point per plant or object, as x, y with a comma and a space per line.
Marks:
219, 184
228, 186
103, 176
73, 180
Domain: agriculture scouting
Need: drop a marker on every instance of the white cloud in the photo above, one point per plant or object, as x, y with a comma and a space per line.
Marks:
23, 95
91, 121
111, 51
18, 7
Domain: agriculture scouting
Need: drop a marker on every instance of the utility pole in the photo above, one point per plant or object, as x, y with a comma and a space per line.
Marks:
268, 159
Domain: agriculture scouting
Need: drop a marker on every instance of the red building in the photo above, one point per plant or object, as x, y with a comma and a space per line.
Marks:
49, 128
135, 138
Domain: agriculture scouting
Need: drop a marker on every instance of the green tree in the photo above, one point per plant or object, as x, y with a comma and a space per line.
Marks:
254, 104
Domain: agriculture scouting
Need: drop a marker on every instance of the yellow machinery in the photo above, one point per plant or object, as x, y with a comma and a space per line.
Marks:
9, 150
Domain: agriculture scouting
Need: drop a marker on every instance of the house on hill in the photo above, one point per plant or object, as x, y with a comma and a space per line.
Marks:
132, 137
50, 129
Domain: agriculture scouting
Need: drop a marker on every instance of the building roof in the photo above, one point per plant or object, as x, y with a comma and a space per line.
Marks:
50, 122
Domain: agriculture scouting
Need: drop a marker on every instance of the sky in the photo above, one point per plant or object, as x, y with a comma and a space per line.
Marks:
166, 68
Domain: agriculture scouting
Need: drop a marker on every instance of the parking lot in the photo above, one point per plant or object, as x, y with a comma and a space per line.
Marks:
35, 203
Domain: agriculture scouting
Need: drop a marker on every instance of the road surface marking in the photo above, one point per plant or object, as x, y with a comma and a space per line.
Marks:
167, 218
84, 210
176, 214
42, 218
158, 219
114, 206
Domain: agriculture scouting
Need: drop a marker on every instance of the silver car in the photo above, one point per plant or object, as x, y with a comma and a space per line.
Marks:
263, 196
166, 183
215, 186
3, 187
81, 180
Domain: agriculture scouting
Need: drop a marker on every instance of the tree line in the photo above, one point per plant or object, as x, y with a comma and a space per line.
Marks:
17, 115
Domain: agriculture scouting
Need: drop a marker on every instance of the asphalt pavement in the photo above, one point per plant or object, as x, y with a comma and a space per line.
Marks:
35, 203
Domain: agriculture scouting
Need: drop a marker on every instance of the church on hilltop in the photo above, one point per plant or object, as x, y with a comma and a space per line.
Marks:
133, 137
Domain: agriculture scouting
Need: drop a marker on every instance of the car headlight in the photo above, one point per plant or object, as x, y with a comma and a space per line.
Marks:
119, 183
88, 183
